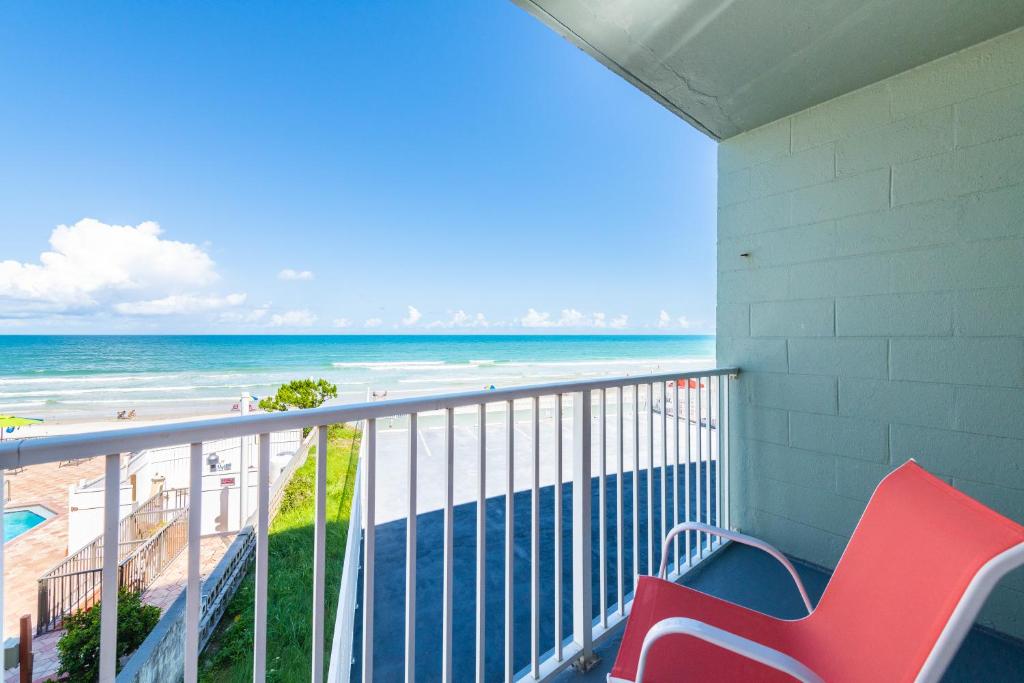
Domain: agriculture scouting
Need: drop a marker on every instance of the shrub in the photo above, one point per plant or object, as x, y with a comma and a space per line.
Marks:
300, 393
79, 647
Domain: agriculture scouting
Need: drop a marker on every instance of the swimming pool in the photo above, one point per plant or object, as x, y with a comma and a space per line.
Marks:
17, 522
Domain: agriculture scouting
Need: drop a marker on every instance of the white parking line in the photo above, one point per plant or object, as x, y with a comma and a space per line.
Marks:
423, 441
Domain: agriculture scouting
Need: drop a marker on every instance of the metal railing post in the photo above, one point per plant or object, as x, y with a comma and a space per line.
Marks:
369, 546
243, 466
108, 594
510, 538
410, 558
195, 524
43, 603
259, 659
320, 553
582, 589
481, 547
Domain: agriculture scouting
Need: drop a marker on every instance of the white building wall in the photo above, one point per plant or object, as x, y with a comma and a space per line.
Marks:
168, 467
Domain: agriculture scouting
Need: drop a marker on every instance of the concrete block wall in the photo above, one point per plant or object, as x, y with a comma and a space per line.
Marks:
871, 288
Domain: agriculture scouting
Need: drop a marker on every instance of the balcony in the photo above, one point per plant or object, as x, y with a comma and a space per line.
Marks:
600, 470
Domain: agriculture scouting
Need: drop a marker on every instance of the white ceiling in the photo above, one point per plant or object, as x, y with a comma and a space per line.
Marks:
727, 66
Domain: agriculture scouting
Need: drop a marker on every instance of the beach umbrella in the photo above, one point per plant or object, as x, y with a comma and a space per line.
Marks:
11, 421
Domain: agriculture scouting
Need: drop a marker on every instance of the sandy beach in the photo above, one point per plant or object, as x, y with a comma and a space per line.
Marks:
60, 427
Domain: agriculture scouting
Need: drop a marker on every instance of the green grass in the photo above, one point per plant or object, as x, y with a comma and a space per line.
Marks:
228, 656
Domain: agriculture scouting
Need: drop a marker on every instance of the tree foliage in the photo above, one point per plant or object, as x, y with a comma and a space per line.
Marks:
300, 393
79, 647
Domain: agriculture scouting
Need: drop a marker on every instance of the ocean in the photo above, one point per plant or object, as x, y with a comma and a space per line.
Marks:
72, 378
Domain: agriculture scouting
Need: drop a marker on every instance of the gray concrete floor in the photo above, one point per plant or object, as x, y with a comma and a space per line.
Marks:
389, 603
738, 574
751, 578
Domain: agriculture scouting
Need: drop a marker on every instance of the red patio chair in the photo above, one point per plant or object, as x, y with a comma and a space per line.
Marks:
918, 568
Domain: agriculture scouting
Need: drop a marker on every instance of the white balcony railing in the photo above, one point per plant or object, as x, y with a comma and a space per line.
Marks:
693, 453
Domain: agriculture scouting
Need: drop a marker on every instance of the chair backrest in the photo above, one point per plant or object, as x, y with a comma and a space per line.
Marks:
913, 555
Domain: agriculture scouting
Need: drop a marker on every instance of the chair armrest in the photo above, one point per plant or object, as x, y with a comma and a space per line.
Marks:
738, 538
729, 641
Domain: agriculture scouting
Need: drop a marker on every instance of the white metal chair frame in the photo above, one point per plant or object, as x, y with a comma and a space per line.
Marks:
945, 647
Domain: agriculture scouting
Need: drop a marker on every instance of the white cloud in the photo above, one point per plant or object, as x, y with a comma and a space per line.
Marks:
412, 318
178, 304
253, 315
296, 318
91, 264
462, 319
373, 322
289, 274
535, 319
572, 318
342, 322
665, 321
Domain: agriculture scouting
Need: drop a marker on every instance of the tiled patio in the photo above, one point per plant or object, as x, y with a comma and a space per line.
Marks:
38, 549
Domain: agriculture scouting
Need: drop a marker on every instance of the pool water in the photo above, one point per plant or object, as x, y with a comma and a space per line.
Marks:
18, 522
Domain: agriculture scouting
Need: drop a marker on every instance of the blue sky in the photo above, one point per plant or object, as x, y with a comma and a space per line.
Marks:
434, 166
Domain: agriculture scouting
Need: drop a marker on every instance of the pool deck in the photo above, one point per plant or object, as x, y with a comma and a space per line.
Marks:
33, 552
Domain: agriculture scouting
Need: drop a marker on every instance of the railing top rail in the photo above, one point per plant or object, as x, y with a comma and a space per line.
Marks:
22, 452
78, 572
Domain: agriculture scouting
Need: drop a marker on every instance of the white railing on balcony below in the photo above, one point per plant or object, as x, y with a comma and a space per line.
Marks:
696, 447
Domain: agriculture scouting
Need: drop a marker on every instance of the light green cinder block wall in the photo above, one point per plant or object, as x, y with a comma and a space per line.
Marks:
879, 315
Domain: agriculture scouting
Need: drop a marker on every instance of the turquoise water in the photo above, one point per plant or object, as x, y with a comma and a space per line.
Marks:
78, 377
20, 521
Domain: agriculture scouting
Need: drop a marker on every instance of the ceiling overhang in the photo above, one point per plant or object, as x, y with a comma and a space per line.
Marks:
727, 66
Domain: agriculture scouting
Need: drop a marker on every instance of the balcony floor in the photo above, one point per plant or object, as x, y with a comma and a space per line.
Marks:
739, 574
750, 578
